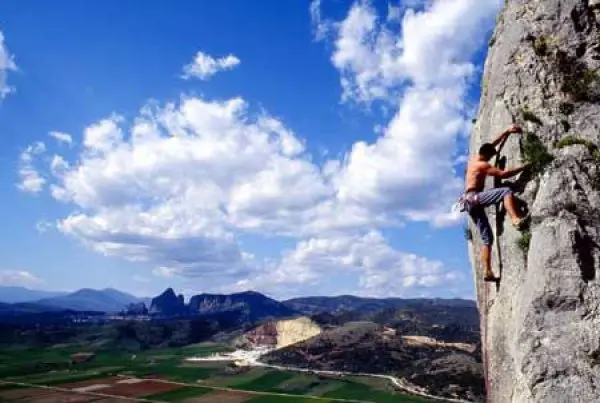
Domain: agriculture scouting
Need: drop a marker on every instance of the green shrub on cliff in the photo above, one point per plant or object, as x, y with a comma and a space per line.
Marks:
536, 153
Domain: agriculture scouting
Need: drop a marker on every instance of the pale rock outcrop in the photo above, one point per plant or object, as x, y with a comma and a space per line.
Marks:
281, 333
541, 323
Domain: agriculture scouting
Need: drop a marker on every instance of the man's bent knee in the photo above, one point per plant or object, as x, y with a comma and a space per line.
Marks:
506, 191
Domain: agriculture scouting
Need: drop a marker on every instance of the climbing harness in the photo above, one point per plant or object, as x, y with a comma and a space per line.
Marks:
466, 201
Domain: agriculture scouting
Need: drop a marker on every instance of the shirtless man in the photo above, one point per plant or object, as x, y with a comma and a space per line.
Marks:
477, 198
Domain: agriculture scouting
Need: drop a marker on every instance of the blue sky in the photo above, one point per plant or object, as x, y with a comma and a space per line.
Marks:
295, 148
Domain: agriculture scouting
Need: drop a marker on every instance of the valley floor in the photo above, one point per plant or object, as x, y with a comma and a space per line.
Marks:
251, 358
46, 376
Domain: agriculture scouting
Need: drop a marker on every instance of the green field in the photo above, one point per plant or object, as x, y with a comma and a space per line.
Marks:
277, 399
179, 394
51, 366
359, 391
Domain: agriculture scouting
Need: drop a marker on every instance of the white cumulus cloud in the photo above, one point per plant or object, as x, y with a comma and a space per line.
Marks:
7, 63
173, 188
18, 278
30, 179
364, 263
205, 66
61, 137
425, 69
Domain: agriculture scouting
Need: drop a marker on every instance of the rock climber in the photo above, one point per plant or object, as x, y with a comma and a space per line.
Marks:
475, 198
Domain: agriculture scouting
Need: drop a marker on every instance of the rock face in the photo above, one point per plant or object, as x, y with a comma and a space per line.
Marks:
258, 306
168, 304
282, 333
541, 323
138, 308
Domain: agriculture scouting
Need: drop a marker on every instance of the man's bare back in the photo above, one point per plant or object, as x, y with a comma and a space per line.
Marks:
477, 170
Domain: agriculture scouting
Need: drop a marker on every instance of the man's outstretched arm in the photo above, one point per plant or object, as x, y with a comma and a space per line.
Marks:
510, 129
506, 173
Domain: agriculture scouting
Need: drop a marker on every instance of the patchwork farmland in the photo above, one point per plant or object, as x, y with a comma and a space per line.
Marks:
47, 376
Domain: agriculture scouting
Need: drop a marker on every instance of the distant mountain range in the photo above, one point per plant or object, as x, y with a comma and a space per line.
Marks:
347, 303
250, 305
14, 295
86, 299
23, 300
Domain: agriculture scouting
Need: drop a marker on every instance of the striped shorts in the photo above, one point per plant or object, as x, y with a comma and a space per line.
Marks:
477, 213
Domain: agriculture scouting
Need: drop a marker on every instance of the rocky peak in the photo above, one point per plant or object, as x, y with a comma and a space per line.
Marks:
541, 322
256, 304
168, 303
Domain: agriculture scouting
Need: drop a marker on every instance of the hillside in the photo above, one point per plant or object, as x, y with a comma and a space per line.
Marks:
445, 369
540, 321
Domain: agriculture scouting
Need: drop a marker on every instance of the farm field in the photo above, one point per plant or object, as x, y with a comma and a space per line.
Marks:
48, 376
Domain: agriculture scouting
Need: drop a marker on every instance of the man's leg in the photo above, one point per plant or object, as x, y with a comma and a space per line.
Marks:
487, 237
509, 204
486, 259
493, 196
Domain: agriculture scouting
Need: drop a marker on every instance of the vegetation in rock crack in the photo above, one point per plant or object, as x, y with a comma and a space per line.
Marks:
572, 140
565, 125
492, 41
540, 46
578, 80
529, 116
566, 108
524, 240
536, 153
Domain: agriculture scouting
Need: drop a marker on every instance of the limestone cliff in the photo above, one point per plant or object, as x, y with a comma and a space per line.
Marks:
281, 333
541, 324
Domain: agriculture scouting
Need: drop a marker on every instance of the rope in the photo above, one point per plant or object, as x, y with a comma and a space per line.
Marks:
483, 312
485, 344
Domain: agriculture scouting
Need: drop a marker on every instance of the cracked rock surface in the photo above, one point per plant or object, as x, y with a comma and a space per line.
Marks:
541, 322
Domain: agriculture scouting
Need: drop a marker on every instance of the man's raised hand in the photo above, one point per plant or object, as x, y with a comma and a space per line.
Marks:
514, 129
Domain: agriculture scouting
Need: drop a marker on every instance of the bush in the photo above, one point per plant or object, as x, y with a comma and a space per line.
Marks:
524, 240
566, 108
536, 153
540, 46
530, 116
